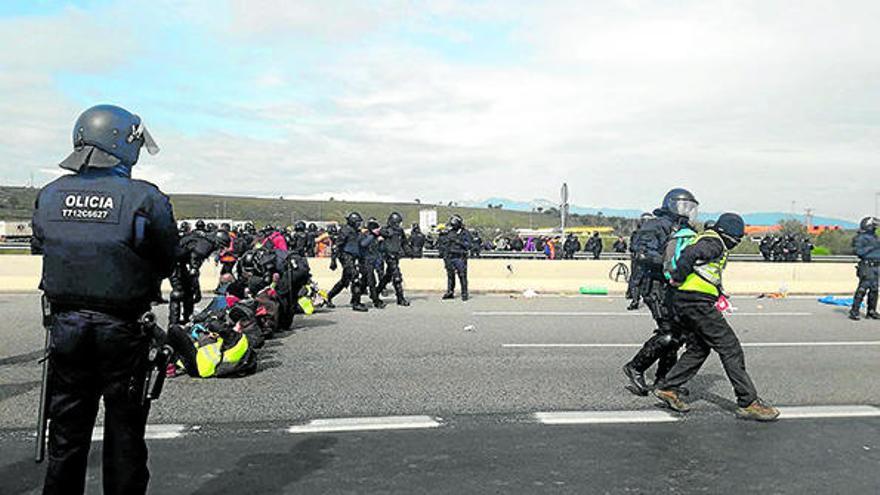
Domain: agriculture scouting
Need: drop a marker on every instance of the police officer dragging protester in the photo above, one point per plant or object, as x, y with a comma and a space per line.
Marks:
396, 247
347, 249
697, 281
649, 243
866, 245
107, 242
455, 245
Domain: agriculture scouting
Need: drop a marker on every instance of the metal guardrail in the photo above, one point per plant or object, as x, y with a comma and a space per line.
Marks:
516, 255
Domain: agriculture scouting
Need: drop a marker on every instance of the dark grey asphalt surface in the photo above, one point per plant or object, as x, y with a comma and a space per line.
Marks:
421, 360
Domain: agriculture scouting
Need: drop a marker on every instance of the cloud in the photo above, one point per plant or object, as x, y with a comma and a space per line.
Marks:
752, 105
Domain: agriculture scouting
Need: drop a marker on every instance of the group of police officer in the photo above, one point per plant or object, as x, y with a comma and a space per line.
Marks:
788, 247
108, 241
370, 257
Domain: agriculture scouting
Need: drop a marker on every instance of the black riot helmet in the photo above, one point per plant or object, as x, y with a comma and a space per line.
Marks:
456, 222
731, 228
372, 223
682, 203
184, 227
332, 229
211, 227
313, 227
222, 238
200, 225
395, 219
416, 228
225, 226
299, 226
868, 224
105, 136
250, 228
354, 220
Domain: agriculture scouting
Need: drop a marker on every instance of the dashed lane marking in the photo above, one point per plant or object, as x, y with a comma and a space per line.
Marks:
604, 417
153, 432
858, 343
365, 424
813, 412
544, 314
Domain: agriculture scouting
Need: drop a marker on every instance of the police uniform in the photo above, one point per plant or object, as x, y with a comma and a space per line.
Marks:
455, 246
348, 251
866, 246
649, 244
396, 246
107, 242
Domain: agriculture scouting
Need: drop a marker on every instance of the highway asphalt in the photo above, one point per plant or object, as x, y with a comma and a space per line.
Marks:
479, 375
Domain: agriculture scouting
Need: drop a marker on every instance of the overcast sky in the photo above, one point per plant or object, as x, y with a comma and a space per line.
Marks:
751, 104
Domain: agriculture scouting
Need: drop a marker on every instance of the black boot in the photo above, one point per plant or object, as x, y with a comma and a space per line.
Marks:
636, 379
872, 305
378, 303
359, 307
857, 304
634, 305
448, 295
464, 287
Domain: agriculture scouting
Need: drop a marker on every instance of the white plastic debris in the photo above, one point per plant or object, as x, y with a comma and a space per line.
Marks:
470, 328
530, 293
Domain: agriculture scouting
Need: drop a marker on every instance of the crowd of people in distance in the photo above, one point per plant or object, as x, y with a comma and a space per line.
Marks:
788, 247
553, 247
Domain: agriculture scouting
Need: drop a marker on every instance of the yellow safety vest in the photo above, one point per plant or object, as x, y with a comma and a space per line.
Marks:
706, 277
209, 358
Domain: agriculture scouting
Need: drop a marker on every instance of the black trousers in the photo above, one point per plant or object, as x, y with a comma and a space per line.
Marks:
94, 354
185, 293
707, 330
456, 266
351, 277
392, 275
667, 339
869, 279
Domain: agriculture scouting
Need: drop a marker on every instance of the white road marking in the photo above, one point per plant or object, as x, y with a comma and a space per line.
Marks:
365, 424
604, 417
615, 313
745, 344
154, 432
810, 412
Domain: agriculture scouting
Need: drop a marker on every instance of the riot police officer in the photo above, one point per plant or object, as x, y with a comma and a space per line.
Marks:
866, 246
192, 250
455, 245
372, 262
299, 240
311, 237
107, 242
347, 249
679, 210
417, 241
396, 247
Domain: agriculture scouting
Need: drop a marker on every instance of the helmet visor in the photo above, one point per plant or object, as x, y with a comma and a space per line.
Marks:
141, 132
686, 208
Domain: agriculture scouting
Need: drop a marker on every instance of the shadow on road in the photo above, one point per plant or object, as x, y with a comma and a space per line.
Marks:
10, 390
270, 472
22, 358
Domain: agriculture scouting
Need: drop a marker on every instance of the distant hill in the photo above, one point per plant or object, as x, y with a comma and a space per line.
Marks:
757, 218
16, 203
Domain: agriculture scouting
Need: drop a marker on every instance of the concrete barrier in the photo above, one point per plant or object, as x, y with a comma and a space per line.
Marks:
21, 273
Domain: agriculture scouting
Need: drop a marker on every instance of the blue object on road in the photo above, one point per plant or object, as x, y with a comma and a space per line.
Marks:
837, 301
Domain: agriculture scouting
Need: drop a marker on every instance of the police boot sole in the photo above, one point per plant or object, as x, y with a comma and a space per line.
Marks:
853, 317
360, 309
872, 316
403, 303
447, 297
